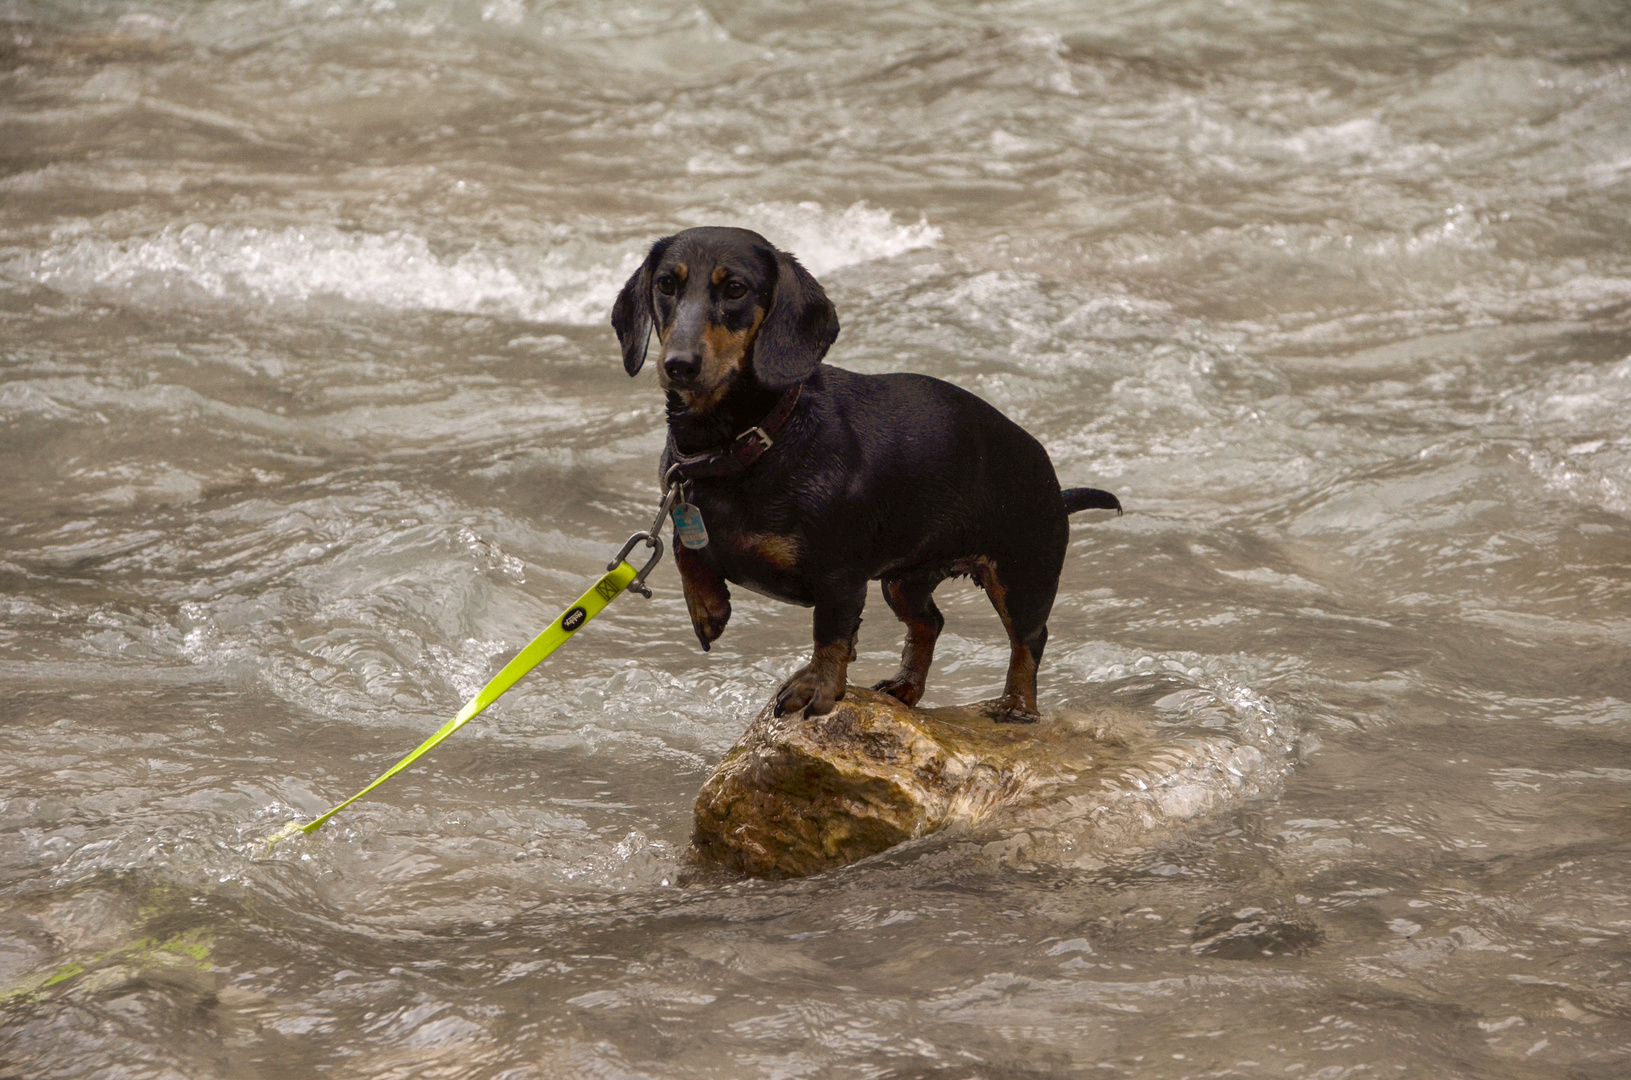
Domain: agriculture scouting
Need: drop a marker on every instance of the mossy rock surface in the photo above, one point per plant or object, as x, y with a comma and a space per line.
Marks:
798, 795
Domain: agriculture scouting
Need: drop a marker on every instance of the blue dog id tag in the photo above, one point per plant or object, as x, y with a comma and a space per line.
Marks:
688, 523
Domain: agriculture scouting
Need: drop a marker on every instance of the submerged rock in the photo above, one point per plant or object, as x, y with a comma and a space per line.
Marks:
798, 795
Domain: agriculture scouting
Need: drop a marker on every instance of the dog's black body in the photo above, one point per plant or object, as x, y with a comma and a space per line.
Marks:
900, 478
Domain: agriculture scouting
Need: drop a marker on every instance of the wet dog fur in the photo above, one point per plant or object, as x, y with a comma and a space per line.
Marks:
902, 479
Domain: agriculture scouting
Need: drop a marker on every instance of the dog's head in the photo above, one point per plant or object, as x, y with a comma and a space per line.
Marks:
725, 305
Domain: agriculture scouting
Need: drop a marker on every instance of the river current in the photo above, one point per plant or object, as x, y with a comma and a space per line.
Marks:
310, 415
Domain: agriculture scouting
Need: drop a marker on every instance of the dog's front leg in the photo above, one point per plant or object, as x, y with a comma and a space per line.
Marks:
818, 685
707, 597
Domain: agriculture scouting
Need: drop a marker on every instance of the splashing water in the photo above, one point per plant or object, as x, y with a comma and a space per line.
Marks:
310, 416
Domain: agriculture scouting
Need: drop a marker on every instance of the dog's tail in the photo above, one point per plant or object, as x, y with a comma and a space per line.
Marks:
1089, 499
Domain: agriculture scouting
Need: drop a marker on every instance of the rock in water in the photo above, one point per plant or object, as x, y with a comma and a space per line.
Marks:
797, 795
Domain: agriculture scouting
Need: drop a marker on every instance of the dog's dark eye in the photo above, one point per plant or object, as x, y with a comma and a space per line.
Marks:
665, 284
735, 290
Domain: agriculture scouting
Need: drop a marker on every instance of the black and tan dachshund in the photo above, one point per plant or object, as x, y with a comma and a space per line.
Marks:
812, 480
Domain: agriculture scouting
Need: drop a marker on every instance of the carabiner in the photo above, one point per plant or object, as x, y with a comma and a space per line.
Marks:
673, 488
652, 541
671, 498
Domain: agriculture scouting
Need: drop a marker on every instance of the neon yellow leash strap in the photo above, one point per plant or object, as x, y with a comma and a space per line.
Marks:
590, 604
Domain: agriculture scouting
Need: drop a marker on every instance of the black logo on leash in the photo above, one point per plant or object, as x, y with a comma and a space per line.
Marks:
574, 619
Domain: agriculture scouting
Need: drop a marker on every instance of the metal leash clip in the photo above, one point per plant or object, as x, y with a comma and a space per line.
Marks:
672, 489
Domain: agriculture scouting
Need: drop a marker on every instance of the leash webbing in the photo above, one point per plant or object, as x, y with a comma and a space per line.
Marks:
619, 576
590, 604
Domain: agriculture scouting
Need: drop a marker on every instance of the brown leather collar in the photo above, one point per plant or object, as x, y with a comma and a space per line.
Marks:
742, 452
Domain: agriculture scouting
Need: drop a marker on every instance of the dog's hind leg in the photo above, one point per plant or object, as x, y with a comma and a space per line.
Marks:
1023, 595
912, 601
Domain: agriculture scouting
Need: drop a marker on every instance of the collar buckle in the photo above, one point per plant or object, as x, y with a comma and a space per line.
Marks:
765, 442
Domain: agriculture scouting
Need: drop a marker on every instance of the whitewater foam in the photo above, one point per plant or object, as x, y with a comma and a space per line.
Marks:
1581, 399
825, 241
573, 283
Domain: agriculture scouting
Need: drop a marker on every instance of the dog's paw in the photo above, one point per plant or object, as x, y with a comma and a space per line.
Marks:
1007, 715
709, 614
808, 691
903, 688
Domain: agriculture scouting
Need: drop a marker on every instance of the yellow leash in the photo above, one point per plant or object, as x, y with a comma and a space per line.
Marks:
619, 577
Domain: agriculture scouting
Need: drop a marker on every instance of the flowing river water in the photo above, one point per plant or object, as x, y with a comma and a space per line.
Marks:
310, 414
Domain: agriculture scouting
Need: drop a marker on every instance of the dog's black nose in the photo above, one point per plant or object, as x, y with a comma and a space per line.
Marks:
682, 367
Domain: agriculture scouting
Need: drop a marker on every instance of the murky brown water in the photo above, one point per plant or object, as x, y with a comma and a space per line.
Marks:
309, 413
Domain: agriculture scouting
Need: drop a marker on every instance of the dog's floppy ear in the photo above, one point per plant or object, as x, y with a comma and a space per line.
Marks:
798, 330
631, 313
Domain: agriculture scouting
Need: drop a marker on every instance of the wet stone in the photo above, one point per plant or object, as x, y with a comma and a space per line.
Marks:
798, 795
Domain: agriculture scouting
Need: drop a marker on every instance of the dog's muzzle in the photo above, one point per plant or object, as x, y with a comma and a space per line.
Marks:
682, 368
